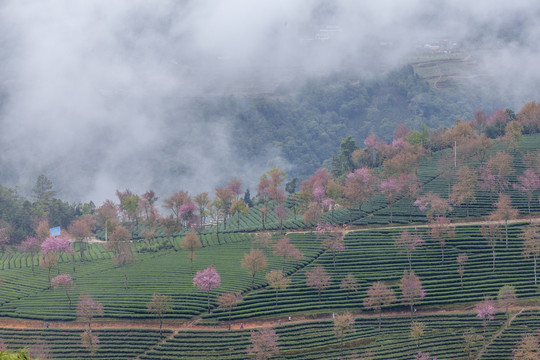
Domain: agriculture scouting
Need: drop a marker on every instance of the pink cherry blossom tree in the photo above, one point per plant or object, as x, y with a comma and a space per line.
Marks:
359, 187
411, 189
504, 212
492, 234
235, 186
313, 214
332, 239
528, 183
349, 283
375, 145
423, 356
287, 250
409, 243
281, 214
391, 188
159, 304
264, 344
90, 341
63, 281
187, 212
461, 261
433, 205
228, 302
57, 245
494, 175
531, 245
318, 278
87, 309
316, 185
441, 230
490, 182
378, 295
485, 310
412, 291
81, 231
206, 280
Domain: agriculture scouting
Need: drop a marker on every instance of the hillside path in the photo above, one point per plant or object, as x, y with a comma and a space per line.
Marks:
177, 325
497, 334
347, 229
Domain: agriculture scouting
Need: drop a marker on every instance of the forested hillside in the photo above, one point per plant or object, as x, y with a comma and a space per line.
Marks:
308, 123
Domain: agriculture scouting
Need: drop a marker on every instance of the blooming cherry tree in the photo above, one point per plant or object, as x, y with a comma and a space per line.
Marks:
423, 356
349, 283
65, 282
391, 188
441, 230
278, 281
378, 295
504, 211
531, 245
191, 242
343, 325
206, 280
318, 278
485, 310
409, 243
528, 183
90, 341
287, 250
281, 214
58, 246
433, 205
461, 261
87, 308
412, 291
229, 301
359, 187
264, 344
333, 239
187, 211
254, 262
159, 305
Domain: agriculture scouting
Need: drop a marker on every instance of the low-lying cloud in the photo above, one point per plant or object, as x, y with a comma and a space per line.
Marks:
96, 93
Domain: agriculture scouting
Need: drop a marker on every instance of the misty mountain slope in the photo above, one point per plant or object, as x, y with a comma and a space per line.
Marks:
297, 129
307, 126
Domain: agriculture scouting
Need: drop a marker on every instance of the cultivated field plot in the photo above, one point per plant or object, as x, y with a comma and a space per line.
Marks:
526, 323
24, 295
372, 256
66, 343
429, 176
443, 337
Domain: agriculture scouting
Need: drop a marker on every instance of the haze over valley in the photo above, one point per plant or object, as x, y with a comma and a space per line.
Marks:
100, 96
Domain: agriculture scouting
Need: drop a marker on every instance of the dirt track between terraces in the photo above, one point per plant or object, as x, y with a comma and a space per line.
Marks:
347, 229
13, 323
